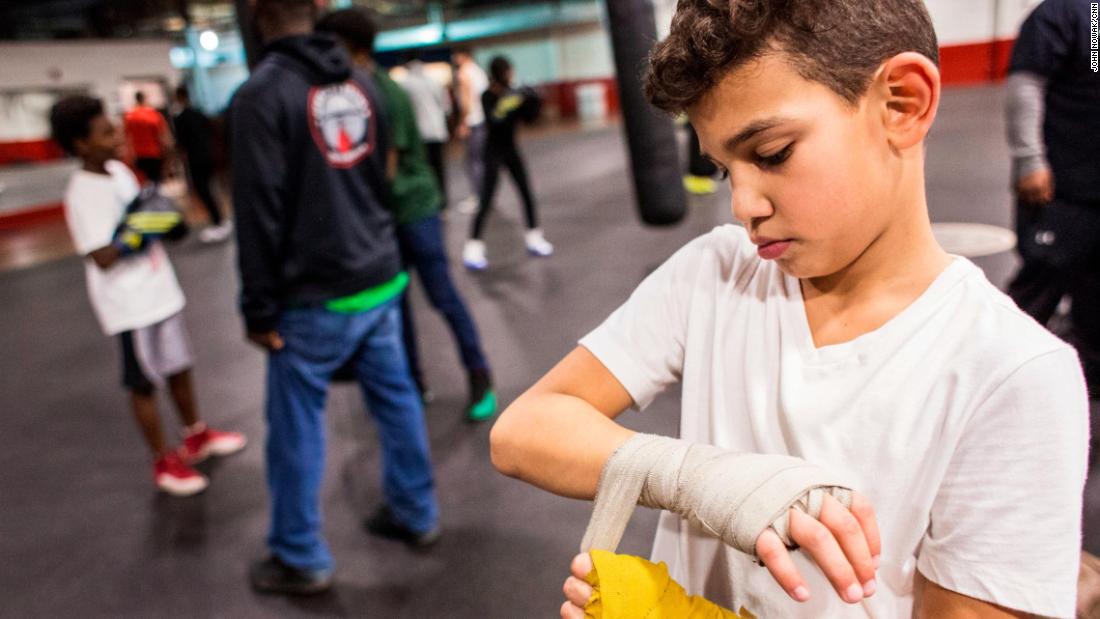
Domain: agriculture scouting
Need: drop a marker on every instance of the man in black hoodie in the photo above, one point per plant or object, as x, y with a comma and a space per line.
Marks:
321, 281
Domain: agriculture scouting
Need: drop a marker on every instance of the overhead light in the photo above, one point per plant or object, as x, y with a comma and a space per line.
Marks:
208, 40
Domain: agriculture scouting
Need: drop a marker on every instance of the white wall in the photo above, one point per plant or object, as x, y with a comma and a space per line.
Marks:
957, 21
578, 53
586, 54
534, 59
99, 67
972, 21
24, 117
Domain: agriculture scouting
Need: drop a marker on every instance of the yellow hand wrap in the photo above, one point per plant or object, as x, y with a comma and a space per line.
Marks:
506, 105
131, 239
627, 587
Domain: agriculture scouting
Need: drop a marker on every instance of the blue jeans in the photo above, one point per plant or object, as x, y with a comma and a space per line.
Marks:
318, 342
422, 248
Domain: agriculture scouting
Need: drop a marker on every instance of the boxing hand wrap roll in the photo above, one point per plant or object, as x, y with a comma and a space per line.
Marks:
625, 587
734, 496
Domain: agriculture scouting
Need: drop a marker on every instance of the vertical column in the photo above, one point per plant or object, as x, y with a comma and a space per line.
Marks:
651, 137
249, 37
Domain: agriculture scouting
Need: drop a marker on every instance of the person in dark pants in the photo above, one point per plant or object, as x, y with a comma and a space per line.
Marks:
504, 107
470, 83
1053, 124
416, 200
437, 160
321, 282
193, 139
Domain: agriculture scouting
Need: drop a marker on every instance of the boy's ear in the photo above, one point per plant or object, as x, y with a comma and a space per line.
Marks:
909, 85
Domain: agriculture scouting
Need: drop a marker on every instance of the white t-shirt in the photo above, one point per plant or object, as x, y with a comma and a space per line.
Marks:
961, 419
478, 83
137, 291
430, 103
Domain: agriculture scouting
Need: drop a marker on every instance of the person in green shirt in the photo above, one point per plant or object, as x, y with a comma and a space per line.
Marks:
416, 200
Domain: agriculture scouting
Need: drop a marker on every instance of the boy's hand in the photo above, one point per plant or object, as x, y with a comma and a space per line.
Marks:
844, 543
106, 257
1036, 188
576, 590
268, 340
129, 241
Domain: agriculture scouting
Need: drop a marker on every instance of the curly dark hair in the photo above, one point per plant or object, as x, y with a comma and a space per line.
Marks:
71, 119
838, 43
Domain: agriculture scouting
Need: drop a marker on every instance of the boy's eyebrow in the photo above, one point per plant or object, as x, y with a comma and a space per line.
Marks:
752, 129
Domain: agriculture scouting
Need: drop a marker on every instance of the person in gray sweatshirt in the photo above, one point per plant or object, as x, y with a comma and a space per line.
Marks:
1053, 125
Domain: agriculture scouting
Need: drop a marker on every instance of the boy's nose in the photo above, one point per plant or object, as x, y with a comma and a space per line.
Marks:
749, 204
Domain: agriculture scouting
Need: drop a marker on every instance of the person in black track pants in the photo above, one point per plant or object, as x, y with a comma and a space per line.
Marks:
504, 108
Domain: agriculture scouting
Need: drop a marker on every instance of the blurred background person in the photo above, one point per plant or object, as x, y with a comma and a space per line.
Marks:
1053, 130
321, 282
504, 107
416, 200
149, 136
134, 292
470, 83
193, 132
432, 105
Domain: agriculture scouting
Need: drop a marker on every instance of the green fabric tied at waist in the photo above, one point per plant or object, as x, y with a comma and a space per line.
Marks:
370, 298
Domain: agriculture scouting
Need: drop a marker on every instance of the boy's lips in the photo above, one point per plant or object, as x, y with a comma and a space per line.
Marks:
770, 249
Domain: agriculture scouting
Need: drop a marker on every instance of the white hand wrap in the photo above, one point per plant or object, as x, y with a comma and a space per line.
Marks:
733, 496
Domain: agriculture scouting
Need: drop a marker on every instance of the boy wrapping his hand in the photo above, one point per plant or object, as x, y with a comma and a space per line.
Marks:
829, 326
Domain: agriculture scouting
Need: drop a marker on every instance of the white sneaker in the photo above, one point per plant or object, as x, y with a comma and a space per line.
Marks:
467, 206
216, 234
537, 245
473, 255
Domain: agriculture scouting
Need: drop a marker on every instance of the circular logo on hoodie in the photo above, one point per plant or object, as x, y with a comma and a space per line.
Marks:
342, 123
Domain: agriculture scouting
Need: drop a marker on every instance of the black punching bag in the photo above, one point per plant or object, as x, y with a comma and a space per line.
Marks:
650, 135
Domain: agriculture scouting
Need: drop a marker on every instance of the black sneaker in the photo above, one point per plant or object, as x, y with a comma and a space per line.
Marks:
273, 576
383, 524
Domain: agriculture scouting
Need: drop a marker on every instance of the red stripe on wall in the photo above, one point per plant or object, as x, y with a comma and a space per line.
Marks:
975, 63
29, 151
31, 216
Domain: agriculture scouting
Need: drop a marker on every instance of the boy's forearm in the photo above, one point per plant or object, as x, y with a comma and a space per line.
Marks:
106, 257
556, 442
931, 601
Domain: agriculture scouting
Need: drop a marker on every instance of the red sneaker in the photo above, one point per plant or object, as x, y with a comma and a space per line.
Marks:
198, 445
173, 476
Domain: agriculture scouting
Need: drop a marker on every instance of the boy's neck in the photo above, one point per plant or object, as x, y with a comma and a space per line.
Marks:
95, 167
894, 270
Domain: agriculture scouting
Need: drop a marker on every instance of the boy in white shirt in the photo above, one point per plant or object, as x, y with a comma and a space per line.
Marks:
831, 327
133, 290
